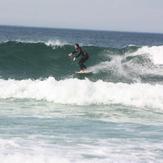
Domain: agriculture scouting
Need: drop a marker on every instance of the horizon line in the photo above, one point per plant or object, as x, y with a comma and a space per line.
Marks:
83, 29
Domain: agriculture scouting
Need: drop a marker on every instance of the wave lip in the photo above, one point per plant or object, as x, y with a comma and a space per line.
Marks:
155, 53
84, 92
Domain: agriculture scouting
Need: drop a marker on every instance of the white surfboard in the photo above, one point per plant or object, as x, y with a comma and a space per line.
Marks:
83, 72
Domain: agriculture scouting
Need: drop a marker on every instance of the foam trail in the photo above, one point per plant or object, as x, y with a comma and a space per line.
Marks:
84, 92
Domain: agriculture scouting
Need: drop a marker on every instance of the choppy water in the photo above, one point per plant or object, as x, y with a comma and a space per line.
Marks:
49, 114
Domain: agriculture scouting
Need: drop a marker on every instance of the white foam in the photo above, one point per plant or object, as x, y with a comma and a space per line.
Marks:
108, 150
118, 69
113, 65
55, 43
84, 92
26, 158
155, 53
19, 150
52, 43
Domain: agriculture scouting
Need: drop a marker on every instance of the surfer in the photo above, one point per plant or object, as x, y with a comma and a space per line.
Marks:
84, 56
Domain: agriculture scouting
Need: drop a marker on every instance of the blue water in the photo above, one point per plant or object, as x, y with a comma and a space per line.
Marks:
84, 37
48, 114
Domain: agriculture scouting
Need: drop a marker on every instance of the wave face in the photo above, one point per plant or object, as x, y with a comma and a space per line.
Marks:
23, 60
35, 60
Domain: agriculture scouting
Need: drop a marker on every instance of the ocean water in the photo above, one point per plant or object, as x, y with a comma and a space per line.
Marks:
49, 114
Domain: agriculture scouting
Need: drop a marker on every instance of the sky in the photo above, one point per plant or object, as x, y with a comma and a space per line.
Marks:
116, 15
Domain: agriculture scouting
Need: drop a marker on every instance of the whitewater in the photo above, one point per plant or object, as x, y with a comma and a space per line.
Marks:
48, 113
90, 93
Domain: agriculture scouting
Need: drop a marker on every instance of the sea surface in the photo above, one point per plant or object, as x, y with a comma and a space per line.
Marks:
50, 114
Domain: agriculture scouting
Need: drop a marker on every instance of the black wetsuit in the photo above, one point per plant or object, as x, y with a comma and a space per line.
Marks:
84, 57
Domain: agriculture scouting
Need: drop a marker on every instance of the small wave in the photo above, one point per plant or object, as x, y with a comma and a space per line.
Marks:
84, 92
51, 43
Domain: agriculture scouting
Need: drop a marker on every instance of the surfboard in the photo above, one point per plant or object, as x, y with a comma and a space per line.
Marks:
83, 72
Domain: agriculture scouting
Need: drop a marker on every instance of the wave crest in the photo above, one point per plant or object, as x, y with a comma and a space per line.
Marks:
84, 92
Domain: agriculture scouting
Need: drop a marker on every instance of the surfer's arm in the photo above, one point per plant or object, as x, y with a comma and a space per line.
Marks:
76, 53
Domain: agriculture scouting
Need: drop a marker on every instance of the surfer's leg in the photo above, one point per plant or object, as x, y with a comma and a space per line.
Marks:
81, 63
84, 60
82, 66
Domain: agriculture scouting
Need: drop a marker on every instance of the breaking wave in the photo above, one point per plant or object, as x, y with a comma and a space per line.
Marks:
24, 60
84, 92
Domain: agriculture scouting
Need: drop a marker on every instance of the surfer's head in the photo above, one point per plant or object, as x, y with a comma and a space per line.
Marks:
76, 46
